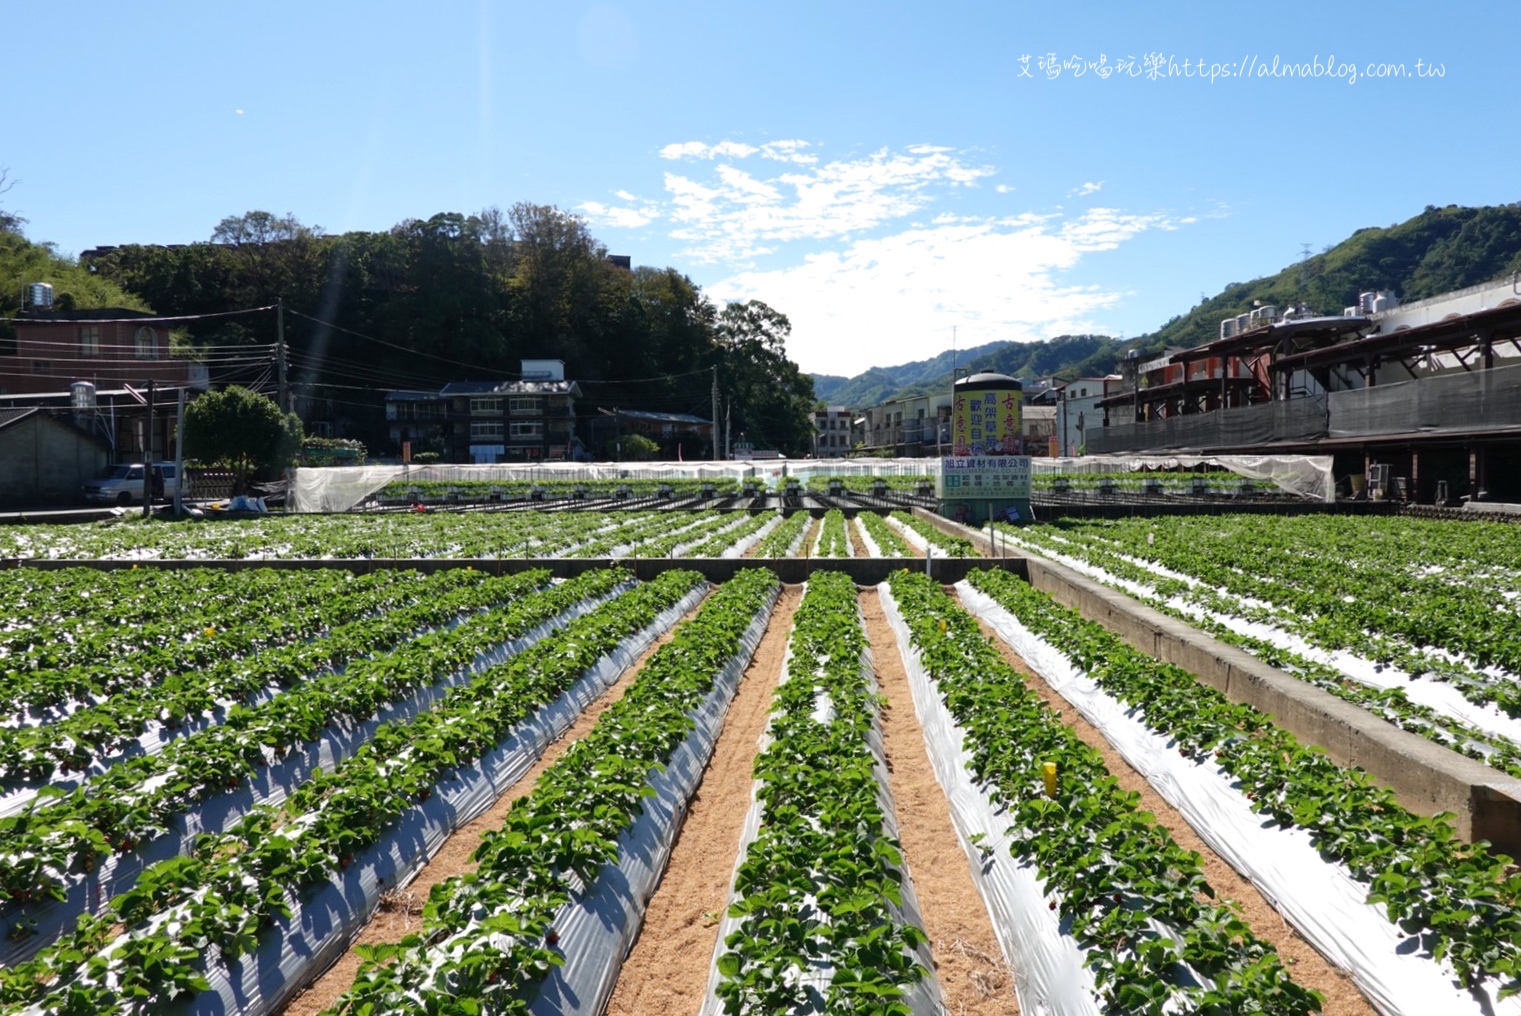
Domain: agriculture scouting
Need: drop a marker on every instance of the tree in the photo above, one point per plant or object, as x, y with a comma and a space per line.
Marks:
241, 431
772, 399
10, 222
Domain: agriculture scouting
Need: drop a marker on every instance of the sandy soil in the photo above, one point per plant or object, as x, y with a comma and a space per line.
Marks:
810, 537
853, 534
973, 977
667, 969
400, 911
1307, 966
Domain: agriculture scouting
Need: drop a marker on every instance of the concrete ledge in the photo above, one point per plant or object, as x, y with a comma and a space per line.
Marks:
1425, 777
864, 571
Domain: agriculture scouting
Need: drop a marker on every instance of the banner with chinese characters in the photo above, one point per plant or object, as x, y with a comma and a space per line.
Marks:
989, 477
985, 421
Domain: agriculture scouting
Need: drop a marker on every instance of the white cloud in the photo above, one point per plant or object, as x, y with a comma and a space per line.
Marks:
621, 217
900, 295
790, 150
735, 214
871, 260
1091, 187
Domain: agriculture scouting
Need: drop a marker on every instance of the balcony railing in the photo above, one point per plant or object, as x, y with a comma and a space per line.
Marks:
1471, 401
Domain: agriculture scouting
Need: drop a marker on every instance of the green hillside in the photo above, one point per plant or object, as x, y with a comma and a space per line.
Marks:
22, 262
1435, 252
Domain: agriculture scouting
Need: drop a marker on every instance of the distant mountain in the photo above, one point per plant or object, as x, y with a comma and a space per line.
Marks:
1435, 252
1068, 355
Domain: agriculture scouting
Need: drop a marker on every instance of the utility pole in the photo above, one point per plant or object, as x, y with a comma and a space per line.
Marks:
728, 430
715, 413
283, 393
148, 456
179, 453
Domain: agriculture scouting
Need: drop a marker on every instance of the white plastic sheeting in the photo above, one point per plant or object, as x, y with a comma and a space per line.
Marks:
597, 929
1323, 902
90, 893
872, 550
1306, 475
1441, 697
339, 488
923, 998
323, 920
741, 547
1050, 978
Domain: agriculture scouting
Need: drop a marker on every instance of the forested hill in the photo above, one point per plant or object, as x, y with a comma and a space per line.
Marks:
464, 298
1435, 252
1067, 355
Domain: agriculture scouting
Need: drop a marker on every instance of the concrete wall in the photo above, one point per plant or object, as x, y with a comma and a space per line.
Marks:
43, 462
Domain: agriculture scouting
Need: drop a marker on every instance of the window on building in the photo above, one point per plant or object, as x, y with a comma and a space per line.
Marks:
146, 343
41, 366
485, 430
486, 407
526, 430
89, 340
526, 405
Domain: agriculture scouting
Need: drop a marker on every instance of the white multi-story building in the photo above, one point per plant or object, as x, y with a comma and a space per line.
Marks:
834, 432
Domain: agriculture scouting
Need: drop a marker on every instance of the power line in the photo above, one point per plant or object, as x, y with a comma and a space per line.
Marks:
404, 349
137, 320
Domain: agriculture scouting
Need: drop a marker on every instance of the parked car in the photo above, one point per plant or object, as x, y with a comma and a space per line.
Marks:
123, 484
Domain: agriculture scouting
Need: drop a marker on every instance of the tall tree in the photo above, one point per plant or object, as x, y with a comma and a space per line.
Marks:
772, 399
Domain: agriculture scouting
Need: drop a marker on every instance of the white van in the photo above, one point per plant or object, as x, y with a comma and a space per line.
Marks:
123, 484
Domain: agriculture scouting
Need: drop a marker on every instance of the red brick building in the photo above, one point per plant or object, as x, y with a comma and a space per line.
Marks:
110, 346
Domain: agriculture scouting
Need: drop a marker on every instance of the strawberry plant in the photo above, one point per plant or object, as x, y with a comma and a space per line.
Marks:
1137, 902
818, 891
1461, 899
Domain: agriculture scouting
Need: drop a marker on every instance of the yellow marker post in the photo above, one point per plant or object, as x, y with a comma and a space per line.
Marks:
1048, 773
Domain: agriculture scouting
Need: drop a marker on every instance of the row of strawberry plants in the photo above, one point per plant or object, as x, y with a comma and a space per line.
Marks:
404, 535
785, 536
134, 801
1404, 607
412, 603
820, 888
715, 546
236, 886
1211, 611
700, 526
488, 938
1132, 897
198, 624
832, 539
940, 542
57, 619
627, 532
1462, 899
884, 536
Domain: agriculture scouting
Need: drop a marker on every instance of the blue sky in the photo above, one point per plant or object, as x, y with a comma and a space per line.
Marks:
882, 173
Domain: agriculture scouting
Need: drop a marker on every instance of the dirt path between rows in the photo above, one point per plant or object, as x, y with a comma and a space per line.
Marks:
853, 533
400, 912
1305, 965
974, 979
667, 969
810, 537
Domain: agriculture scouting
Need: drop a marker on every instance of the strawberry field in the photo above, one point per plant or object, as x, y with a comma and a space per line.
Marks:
214, 782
